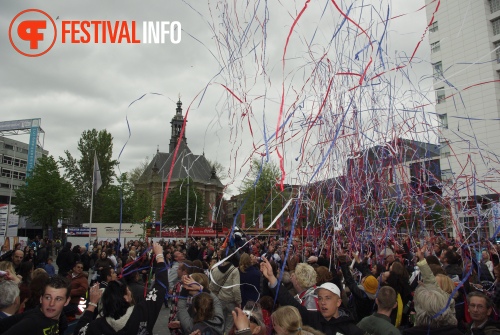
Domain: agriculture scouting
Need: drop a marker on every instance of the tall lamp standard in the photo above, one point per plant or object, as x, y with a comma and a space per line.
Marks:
187, 210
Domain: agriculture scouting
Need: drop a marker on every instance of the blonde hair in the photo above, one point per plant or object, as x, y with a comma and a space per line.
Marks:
7, 266
445, 283
288, 318
306, 275
245, 262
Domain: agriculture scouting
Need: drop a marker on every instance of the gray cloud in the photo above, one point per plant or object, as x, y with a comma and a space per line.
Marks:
78, 87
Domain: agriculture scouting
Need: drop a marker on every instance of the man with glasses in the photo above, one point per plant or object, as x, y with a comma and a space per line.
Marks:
480, 309
79, 287
43, 320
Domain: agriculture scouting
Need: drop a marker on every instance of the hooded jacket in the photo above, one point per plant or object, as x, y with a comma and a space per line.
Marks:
228, 276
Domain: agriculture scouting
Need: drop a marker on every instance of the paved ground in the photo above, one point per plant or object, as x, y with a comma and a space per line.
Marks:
162, 322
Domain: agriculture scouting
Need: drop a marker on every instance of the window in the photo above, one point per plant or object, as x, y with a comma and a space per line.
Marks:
494, 5
496, 26
497, 51
435, 47
446, 175
443, 120
440, 95
445, 149
437, 69
8, 146
434, 27
20, 162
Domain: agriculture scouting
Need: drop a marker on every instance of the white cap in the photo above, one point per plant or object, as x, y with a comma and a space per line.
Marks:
330, 287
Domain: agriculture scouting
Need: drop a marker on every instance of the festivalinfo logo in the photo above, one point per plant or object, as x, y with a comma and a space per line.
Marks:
33, 32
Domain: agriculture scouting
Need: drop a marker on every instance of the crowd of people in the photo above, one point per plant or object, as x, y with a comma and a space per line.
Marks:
259, 286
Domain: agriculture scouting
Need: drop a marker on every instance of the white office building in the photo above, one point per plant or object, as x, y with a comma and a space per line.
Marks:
464, 37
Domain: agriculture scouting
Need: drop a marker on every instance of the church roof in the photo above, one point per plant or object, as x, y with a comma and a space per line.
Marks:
186, 164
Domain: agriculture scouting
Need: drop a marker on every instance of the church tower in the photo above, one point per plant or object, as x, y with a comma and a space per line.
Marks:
176, 123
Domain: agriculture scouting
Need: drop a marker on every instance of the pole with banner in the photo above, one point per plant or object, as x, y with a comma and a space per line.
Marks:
96, 184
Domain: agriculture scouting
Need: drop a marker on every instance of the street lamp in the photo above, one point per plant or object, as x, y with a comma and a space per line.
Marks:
187, 211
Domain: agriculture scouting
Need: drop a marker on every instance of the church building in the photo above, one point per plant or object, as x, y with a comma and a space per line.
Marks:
186, 165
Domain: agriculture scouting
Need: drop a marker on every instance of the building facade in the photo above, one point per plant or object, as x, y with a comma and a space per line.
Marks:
180, 165
465, 55
13, 164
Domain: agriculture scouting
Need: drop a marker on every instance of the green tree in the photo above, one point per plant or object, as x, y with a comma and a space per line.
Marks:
46, 196
175, 206
220, 170
264, 197
138, 171
80, 171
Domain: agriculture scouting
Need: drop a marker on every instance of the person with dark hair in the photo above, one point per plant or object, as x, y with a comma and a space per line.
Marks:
41, 255
47, 319
380, 322
79, 287
17, 258
38, 281
49, 267
480, 309
106, 275
25, 271
185, 268
397, 278
65, 260
225, 280
208, 314
451, 264
135, 285
119, 315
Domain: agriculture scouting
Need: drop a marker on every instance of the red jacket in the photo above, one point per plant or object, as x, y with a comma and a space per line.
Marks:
79, 287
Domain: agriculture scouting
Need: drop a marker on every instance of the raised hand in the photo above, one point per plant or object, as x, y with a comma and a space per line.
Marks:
240, 319
267, 271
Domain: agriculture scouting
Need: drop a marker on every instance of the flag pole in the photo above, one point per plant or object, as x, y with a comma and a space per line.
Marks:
92, 202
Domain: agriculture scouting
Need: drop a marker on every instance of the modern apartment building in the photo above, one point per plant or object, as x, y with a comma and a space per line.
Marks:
465, 55
13, 163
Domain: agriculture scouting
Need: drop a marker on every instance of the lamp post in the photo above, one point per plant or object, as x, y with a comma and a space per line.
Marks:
187, 210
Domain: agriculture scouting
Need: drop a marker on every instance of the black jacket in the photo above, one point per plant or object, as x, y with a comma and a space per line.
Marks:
363, 301
32, 322
344, 324
139, 319
65, 261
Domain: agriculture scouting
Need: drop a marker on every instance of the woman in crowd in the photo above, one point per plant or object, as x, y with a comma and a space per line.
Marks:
36, 287
119, 315
287, 321
194, 285
250, 278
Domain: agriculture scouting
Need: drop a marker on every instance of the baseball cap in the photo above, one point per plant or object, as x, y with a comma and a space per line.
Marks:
330, 287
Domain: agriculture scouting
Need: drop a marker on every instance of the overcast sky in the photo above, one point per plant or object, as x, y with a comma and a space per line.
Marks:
230, 66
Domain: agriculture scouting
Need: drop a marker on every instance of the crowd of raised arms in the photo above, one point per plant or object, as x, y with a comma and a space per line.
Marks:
252, 286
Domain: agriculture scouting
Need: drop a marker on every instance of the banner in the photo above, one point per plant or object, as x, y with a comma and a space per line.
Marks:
12, 225
81, 231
